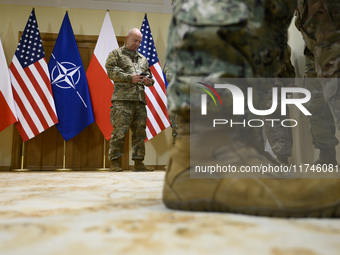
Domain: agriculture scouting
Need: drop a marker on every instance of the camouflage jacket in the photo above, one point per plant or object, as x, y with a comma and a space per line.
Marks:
167, 73
287, 69
121, 64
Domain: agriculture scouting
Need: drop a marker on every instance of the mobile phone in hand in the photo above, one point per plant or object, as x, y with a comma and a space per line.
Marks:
145, 74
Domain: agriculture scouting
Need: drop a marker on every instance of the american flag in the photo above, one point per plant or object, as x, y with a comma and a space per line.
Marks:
158, 118
31, 84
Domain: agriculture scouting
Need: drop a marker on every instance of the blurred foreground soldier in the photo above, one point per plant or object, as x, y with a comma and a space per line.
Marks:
320, 27
124, 67
211, 38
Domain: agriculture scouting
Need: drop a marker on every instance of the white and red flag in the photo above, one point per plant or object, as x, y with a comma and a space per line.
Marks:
100, 85
157, 112
31, 84
7, 107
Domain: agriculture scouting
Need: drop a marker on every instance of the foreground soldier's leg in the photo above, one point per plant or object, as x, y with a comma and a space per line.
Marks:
199, 45
322, 126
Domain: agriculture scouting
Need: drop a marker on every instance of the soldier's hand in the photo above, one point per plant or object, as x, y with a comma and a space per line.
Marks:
146, 81
137, 78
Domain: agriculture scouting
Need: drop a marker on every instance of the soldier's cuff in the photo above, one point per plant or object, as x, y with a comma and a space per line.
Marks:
129, 78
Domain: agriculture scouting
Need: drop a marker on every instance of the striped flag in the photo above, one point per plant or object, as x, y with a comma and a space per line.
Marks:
69, 84
31, 84
158, 118
100, 85
7, 108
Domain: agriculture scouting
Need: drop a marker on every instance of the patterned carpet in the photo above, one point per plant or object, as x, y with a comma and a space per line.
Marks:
122, 213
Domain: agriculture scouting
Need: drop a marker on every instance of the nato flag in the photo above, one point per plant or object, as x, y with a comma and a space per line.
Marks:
69, 84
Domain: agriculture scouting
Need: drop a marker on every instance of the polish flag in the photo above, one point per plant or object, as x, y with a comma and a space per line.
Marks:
7, 107
100, 86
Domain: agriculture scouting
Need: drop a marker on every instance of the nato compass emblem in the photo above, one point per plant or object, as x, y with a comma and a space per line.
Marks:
66, 75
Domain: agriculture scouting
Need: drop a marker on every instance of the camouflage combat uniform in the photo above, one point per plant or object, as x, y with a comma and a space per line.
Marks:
321, 122
248, 40
218, 39
205, 41
280, 138
128, 101
172, 117
319, 24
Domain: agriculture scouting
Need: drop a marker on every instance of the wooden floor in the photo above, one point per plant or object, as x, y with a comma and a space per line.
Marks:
122, 213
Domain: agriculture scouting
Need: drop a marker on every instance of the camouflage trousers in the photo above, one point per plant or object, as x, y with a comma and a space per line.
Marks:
321, 122
228, 42
320, 27
219, 39
126, 114
279, 137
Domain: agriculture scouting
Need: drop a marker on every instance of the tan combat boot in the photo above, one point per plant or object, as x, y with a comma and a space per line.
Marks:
279, 197
140, 167
115, 166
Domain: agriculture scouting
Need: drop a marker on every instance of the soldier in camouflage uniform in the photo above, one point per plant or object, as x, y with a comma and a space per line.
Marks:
124, 66
238, 38
322, 126
172, 117
280, 138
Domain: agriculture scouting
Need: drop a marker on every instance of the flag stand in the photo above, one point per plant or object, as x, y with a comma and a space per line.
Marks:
64, 161
21, 169
104, 168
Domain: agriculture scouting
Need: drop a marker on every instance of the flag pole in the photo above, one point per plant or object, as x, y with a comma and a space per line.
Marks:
64, 161
21, 169
104, 159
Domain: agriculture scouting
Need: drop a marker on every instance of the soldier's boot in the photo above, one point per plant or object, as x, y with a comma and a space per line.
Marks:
115, 166
283, 159
327, 156
279, 197
140, 167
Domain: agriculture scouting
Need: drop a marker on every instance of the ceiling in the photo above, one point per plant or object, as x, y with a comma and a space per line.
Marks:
147, 6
